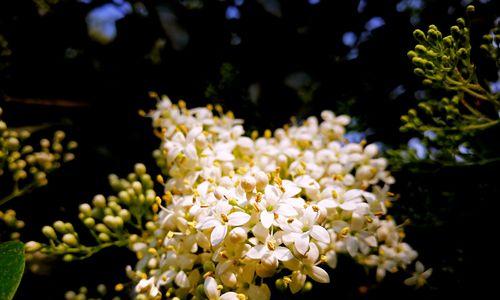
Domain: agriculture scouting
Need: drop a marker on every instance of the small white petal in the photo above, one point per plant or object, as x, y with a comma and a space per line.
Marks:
411, 281
320, 234
319, 275
283, 254
218, 235
298, 280
229, 296
266, 218
210, 223
286, 210
210, 287
238, 218
352, 245
256, 252
302, 243
182, 280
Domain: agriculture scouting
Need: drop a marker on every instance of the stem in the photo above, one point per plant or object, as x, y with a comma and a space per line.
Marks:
17, 193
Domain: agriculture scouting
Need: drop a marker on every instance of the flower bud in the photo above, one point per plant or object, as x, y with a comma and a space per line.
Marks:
89, 222
32, 246
280, 284
238, 235
99, 201
248, 183
49, 232
140, 169
59, 226
70, 239
419, 35
209, 266
261, 180
104, 237
85, 209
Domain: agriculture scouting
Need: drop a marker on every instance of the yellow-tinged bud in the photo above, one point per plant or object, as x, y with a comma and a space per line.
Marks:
32, 246
70, 239
280, 284
119, 287
49, 232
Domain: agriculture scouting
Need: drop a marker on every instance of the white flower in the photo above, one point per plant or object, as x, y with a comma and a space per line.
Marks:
220, 219
420, 275
299, 231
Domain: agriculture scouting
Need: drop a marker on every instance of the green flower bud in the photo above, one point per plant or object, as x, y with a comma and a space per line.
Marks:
411, 54
140, 169
12, 144
104, 237
420, 48
32, 246
125, 215
307, 287
462, 52
101, 289
471, 9
89, 222
427, 82
461, 22
68, 258
200, 291
102, 228
137, 187
124, 197
419, 35
150, 226
69, 227
99, 201
455, 32
208, 266
85, 209
59, 226
419, 72
280, 284
49, 232
70, 239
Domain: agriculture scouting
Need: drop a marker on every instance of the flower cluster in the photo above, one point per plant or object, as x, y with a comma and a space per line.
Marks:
237, 210
25, 168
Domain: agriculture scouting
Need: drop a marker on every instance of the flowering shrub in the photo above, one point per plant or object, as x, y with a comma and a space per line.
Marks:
237, 210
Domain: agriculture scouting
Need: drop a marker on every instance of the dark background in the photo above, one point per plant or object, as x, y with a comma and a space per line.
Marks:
275, 60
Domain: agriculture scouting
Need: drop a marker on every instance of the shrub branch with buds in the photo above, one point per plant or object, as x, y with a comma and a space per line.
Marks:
445, 63
24, 166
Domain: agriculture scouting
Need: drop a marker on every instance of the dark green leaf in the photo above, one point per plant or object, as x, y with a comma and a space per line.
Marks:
11, 268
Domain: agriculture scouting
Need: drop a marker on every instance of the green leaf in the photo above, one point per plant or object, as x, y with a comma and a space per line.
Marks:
11, 268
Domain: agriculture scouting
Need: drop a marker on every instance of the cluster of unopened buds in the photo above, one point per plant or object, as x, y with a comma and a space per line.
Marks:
237, 212
24, 166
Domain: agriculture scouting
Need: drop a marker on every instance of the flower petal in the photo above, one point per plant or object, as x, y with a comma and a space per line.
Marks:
320, 234
283, 254
218, 235
229, 296
319, 275
302, 243
238, 218
266, 218
210, 287
182, 280
256, 252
